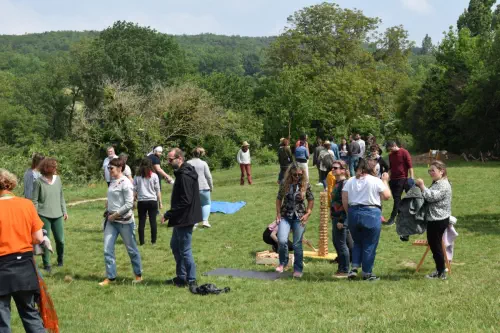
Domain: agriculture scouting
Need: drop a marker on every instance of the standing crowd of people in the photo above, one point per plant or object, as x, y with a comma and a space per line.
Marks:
357, 181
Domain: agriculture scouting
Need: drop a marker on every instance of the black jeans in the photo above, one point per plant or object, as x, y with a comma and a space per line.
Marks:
435, 231
397, 186
145, 208
25, 303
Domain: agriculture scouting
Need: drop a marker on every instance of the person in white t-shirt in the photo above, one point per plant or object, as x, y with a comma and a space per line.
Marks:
361, 198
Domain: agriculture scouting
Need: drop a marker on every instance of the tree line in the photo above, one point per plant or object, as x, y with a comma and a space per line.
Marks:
71, 94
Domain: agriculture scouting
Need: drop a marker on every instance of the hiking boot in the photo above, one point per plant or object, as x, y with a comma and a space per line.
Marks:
404, 238
391, 221
138, 279
353, 274
371, 277
297, 275
340, 275
106, 282
176, 282
280, 268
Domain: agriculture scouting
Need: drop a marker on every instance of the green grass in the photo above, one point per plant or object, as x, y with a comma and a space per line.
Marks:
403, 301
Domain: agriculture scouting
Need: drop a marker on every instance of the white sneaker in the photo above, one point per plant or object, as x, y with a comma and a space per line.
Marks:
319, 184
205, 224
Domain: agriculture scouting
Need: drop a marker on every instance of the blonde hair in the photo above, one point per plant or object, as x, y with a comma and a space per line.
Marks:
8, 181
287, 179
198, 152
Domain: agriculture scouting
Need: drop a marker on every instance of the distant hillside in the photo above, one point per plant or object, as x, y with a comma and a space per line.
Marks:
206, 52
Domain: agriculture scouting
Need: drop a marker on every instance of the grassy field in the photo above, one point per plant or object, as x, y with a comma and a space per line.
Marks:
402, 301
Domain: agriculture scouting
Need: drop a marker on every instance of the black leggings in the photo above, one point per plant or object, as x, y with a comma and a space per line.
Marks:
147, 208
266, 237
435, 231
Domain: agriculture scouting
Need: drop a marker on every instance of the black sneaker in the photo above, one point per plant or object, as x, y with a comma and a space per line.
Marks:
391, 221
404, 238
48, 269
193, 286
176, 282
371, 277
353, 274
60, 263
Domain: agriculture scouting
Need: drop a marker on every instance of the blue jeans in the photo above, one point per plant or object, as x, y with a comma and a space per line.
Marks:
127, 231
180, 243
365, 226
298, 231
339, 238
353, 163
205, 204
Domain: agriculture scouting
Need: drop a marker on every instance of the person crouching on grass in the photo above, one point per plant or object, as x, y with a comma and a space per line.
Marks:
291, 213
438, 199
120, 221
361, 198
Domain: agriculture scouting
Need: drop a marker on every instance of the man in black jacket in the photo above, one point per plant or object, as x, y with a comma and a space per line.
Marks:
184, 213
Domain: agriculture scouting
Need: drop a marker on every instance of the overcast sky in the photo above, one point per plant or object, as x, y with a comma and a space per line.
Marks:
228, 17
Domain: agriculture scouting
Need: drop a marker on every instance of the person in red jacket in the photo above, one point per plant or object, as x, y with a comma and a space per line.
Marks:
400, 168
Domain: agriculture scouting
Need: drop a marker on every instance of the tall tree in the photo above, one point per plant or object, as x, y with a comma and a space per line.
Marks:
427, 47
477, 17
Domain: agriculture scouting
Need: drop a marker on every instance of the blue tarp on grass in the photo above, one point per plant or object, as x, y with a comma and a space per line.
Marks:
226, 207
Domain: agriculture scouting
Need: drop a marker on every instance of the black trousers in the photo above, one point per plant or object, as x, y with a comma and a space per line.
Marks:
25, 303
147, 208
435, 231
397, 186
266, 237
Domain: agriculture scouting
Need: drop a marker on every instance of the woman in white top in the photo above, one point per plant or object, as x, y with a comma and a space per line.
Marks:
243, 159
204, 182
361, 198
148, 195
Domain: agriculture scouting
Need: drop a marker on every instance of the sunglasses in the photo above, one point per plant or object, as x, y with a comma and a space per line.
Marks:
337, 168
170, 160
296, 175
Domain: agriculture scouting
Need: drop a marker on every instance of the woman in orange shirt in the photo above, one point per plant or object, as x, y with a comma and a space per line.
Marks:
20, 228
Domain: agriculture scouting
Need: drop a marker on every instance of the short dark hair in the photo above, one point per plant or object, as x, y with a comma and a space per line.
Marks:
303, 137
178, 153
390, 144
117, 162
36, 159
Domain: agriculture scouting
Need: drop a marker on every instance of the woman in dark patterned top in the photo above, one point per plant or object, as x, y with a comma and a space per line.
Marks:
291, 213
340, 234
438, 212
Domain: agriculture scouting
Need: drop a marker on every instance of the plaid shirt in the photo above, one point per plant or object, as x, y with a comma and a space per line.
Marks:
292, 205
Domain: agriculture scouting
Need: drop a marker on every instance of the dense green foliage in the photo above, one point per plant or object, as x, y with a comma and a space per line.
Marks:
329, 73
456, 105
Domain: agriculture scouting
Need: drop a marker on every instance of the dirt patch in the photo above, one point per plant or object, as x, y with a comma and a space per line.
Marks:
424, 158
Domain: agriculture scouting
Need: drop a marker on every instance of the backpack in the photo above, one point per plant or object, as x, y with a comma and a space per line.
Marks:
327, 161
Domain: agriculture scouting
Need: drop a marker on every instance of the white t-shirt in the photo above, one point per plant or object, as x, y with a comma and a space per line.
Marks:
362, 146
364, 191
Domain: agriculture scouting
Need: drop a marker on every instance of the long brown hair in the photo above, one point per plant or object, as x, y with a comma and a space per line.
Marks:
288, 179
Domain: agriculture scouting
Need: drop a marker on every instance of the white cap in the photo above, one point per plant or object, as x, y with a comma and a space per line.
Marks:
158, 149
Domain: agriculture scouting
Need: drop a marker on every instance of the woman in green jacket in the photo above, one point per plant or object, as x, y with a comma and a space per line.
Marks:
48, 199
